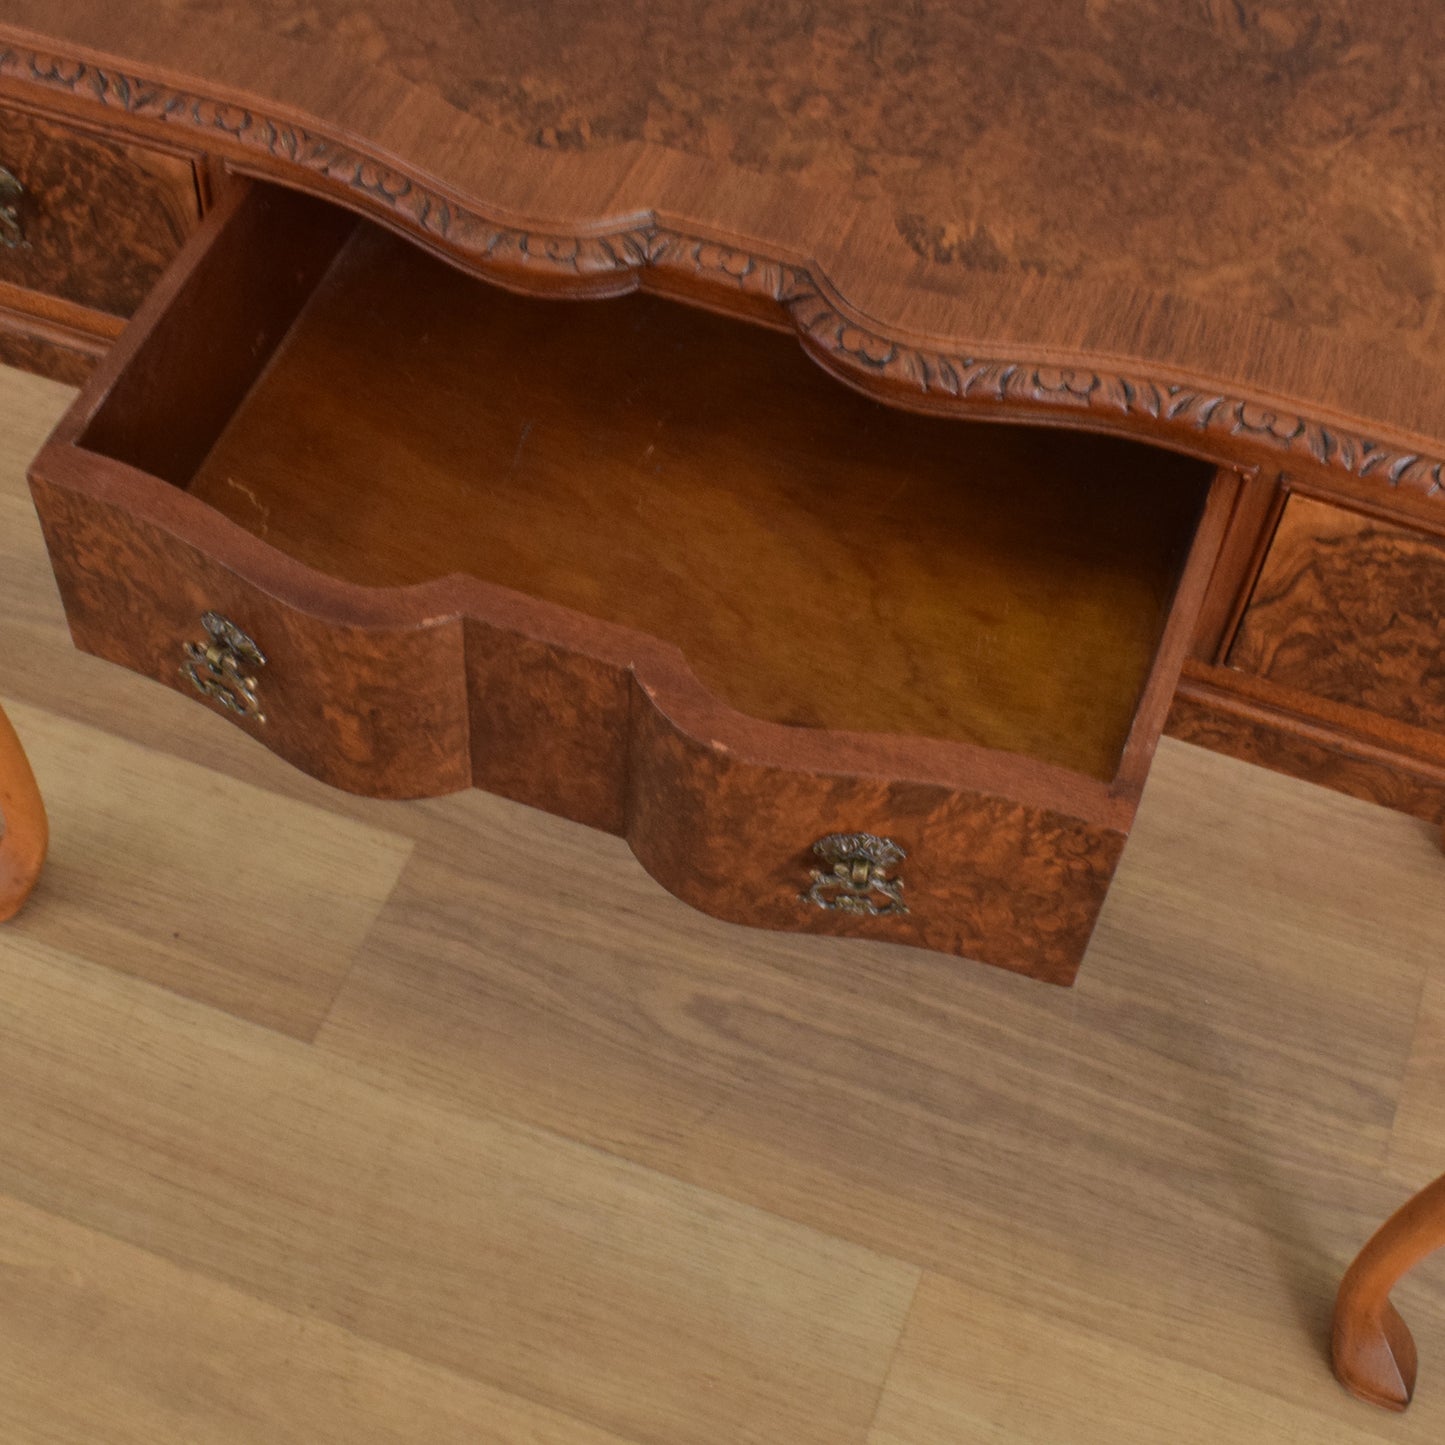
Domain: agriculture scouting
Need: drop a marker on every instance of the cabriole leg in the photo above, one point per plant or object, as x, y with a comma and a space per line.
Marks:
26, 831
1374, 1352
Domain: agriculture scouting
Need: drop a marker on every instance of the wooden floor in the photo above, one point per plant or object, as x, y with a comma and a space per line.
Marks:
324, 1120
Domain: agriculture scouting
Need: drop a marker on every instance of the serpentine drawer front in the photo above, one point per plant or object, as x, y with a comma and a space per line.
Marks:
826, 665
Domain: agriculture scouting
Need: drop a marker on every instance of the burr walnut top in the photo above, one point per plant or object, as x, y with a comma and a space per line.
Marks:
1233, 200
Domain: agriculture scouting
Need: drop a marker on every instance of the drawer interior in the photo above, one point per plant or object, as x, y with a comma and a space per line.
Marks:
820, 559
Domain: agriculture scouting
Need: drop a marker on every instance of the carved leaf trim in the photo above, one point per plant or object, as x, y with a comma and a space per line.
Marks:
850, 349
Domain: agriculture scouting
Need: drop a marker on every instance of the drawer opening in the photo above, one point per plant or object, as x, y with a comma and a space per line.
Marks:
821, 560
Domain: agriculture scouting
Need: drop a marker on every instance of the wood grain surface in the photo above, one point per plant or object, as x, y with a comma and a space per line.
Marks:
1337, 747
568, 1161
1189, 117
76, 1293
374, 710
820, 560
54, 337
987, 877
1143, 217
101, 218
175, 828
721, 640
1351, 609
21, 347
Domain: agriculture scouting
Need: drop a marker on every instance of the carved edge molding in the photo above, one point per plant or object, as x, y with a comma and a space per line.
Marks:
917, 374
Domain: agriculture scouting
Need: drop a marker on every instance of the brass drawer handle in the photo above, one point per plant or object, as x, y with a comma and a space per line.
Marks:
856, 875
224, 668
12, 232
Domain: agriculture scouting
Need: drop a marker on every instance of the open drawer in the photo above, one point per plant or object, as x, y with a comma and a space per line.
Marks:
826, 665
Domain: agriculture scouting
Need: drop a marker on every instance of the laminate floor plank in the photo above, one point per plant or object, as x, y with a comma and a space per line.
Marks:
982, 1370
1185, 1150
1417, 1141
220, 890
103, 1342
546, 1269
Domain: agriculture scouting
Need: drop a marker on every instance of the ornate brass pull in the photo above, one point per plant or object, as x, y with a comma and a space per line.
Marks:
12, 232
856, 875
222, 668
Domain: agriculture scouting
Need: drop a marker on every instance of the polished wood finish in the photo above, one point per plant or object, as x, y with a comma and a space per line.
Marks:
1351, 609
1001, 252
819, 560
1333, 652
363, 700
24, 829
910, 258
367, 698
49, 338
453, 187
20, 347
101, 218
98, 219
1291, 733
1373, 1350
988, 876
576, 578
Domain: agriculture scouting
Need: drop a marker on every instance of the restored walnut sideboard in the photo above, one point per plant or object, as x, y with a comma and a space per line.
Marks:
745, 579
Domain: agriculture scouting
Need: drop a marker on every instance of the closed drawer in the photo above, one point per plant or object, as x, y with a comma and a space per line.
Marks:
826, 666
88, 220
1350, 609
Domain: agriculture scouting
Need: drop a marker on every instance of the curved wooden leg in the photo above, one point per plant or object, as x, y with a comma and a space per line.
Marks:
1374, 1352
27, 833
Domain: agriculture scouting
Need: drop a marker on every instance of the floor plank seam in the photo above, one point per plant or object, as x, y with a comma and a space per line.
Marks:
893, 1354
270, 1303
